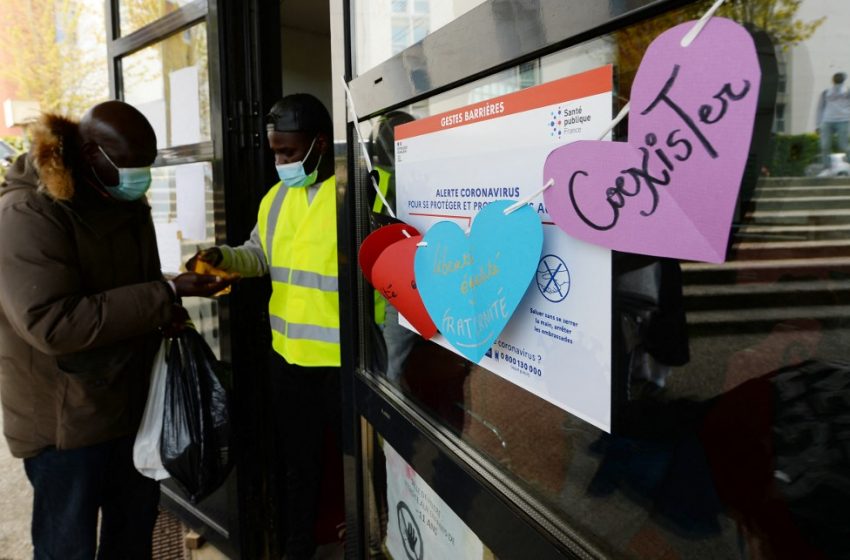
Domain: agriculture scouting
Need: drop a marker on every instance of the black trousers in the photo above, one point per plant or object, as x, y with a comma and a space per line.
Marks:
71, 486
307, 403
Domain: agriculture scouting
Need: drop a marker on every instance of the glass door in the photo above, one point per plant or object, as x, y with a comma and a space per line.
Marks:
728, 381
193, 69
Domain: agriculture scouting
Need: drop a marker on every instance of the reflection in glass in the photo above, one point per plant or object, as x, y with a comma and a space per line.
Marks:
169, 83
382, 478
386, 27
135, 14
181, 199
732, 383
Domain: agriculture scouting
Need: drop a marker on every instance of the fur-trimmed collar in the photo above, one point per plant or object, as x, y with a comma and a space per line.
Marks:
54, 141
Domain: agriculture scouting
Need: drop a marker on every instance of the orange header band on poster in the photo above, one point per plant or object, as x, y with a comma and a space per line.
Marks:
581, 85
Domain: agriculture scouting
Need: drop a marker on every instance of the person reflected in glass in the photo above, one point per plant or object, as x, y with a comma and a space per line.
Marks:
833, 119
399, 340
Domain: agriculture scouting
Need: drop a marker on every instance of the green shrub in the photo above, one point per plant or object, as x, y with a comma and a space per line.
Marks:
792, 153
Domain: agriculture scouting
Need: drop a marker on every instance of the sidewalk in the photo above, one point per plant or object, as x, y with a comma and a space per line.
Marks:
15, 506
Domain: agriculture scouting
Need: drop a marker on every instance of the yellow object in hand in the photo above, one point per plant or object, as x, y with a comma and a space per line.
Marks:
202, 267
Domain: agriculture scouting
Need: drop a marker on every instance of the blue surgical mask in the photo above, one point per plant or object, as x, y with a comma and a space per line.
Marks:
294, 175
133, 182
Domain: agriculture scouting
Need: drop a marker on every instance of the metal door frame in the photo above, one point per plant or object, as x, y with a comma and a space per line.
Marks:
244, 67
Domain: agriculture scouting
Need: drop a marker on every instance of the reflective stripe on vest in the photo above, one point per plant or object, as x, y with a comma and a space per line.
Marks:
299, 241
383, 186
301, 331
305, 279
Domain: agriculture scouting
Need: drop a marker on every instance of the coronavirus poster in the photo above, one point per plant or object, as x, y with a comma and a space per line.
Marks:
449, 166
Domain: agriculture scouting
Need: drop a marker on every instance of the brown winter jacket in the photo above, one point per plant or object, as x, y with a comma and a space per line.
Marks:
81, 297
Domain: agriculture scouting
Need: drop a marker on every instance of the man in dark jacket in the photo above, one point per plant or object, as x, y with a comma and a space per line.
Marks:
81, 300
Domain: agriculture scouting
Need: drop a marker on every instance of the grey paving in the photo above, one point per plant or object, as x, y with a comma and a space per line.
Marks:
15, 507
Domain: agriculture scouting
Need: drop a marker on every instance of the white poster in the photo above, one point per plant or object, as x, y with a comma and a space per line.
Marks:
191, 190
168, 243
557, 344
154, 111
420, 525
185, 106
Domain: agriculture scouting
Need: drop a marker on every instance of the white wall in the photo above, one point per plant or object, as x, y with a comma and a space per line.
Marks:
306, 61
812, 63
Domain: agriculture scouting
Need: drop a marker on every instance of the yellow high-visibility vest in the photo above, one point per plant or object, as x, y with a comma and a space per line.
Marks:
299, 241
377, 207
383, 186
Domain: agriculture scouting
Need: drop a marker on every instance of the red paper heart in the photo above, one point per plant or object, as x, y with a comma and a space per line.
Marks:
392, 276
377, 241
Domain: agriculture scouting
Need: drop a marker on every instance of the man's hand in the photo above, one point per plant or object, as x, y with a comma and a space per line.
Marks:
211, 256
179, 321
203, 285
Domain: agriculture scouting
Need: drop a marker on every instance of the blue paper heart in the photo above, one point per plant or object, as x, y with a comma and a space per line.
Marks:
472, 284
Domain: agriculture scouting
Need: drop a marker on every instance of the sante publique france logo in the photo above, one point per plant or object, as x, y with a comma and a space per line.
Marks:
556, 129
566, 120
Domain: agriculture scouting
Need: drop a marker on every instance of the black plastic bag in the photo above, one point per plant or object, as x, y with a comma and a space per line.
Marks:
196, 430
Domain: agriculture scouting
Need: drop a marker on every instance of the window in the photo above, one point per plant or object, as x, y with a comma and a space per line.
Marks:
135, 14
169, 83
384, 28
729, 438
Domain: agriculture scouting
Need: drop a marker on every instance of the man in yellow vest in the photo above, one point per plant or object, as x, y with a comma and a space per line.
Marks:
294, 242
383, 149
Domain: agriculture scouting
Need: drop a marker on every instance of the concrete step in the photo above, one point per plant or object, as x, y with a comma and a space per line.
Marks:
765, 271
829, 216
800, 191
789, 261
789, 232
790, 249
802, 181
802, 203
764, 320
752, 296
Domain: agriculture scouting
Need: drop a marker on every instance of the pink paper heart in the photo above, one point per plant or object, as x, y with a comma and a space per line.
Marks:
393, 277
671, 189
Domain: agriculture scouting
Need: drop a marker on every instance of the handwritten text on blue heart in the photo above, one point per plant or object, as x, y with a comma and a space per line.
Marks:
471, 284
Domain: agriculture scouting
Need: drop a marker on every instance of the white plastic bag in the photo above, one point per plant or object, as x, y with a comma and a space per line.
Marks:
146, 456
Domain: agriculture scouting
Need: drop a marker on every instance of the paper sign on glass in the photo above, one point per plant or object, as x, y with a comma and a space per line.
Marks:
420, 525
191, 192
671, 190
471, 284
557, 344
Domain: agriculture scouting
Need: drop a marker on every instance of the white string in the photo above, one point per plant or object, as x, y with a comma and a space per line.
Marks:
365, 151
523, 201
620, 116
695, 30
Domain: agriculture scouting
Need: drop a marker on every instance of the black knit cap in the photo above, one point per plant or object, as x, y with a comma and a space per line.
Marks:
299, 112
